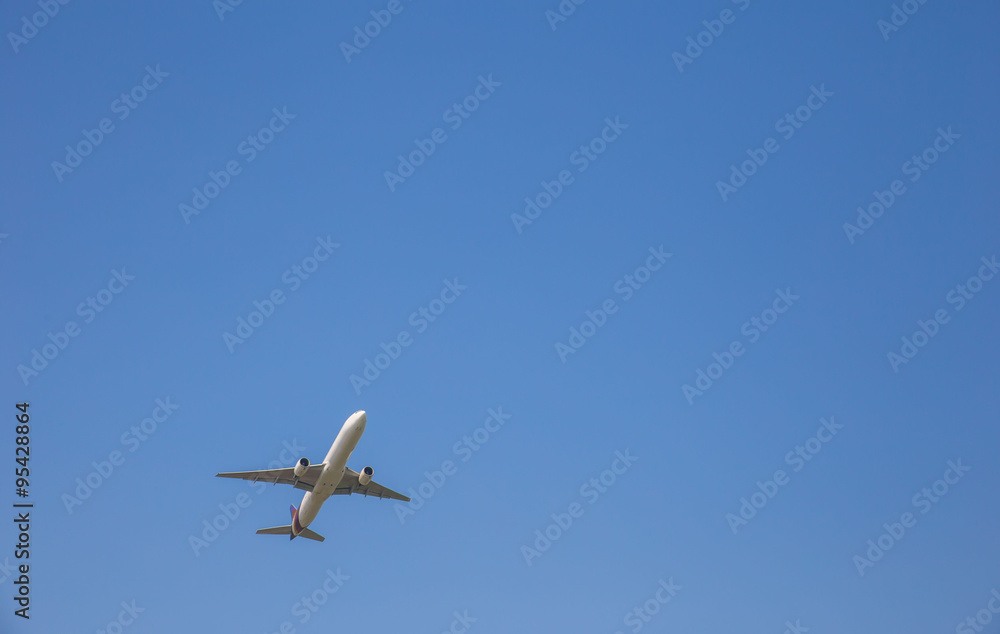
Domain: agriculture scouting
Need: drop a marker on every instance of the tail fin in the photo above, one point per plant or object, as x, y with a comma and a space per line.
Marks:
288, 530
296, 528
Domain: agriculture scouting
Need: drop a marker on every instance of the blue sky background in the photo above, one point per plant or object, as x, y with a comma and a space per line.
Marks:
655, 185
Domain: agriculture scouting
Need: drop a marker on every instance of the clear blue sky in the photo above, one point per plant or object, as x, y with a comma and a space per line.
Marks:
772, 248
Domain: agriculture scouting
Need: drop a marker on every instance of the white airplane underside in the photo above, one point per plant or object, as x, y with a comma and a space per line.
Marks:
320, 481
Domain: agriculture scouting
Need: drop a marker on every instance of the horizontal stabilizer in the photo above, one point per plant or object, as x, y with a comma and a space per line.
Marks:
287, 530
308, 534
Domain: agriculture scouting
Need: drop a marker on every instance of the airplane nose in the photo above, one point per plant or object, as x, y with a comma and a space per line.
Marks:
360, 417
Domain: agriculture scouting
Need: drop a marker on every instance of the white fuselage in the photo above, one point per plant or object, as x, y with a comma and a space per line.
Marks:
334, 466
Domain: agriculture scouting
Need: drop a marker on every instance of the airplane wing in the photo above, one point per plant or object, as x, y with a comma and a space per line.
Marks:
280, 476
350, 484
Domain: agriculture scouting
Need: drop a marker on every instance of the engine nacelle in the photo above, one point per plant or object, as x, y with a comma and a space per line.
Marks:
365, 476
301, 467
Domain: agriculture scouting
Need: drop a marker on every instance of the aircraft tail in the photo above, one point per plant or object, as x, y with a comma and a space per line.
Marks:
287, 530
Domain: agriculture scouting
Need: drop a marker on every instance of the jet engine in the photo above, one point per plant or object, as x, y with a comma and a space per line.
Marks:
365, 476
301, 466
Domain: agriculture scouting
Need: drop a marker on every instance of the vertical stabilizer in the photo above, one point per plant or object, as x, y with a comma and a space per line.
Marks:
296, 529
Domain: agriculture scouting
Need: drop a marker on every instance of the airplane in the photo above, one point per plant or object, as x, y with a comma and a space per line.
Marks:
320, 481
